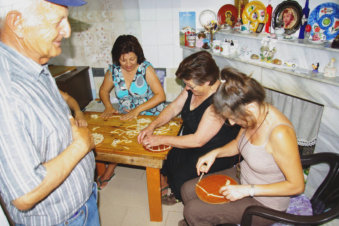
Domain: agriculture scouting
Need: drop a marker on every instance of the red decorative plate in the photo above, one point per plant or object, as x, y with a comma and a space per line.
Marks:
208, 188
159, 148
228, 14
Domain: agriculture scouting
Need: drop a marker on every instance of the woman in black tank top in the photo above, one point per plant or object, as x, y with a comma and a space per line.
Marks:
203, 130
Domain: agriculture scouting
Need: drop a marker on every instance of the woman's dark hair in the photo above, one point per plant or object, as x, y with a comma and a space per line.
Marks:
235, 91
200, 67
125, 44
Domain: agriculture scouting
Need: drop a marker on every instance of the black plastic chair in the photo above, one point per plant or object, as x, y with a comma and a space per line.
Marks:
325, 200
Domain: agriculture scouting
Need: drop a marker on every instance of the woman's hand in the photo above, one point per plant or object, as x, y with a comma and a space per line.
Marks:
148, 131
235, 192
205, 162
132, 114
152, 140
109, 112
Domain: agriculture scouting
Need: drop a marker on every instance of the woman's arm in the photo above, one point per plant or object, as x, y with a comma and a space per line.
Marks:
206, 161
104, 93
74, 106
172, 110
158, 97
284, 148
209, 126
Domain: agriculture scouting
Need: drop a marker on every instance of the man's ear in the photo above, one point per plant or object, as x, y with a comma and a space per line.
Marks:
14, 22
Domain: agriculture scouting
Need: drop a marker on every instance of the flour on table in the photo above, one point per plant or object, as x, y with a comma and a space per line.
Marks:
98, 138
94, 116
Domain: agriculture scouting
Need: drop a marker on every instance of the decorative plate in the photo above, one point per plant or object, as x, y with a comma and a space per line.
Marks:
227, 14
159, 148
208, 188
254, 13
325, 16
288, 15
206, 17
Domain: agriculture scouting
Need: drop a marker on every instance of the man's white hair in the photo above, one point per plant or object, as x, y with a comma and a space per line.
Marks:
26, 7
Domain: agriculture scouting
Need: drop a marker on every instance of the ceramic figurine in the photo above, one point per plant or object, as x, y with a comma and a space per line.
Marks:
237, 26
267, 49
315, 67
330, 70
318, 36
291, 63
200, 40
245, 28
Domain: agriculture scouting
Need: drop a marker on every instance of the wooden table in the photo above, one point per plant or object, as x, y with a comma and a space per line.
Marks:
120, 145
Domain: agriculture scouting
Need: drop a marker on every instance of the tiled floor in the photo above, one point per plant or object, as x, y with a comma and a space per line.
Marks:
124, 202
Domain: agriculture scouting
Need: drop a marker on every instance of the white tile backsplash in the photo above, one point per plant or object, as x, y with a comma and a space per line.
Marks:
151, 54
165, 33
149, 33
148, 14
165, 50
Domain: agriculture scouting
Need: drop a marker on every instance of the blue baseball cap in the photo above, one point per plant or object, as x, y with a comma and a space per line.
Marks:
68, 2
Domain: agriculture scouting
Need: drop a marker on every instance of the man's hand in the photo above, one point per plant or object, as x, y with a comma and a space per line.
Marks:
82, 137
80, 120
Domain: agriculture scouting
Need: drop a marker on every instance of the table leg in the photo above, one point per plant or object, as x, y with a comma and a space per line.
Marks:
154, 193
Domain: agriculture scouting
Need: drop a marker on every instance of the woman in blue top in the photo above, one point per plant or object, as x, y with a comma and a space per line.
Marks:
134, 80
136, 86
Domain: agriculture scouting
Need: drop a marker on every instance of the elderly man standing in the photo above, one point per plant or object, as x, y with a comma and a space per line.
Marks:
46, 162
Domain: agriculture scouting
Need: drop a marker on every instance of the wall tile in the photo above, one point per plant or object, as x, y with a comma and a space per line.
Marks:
165, 50
149, 33
165, 32
151, 54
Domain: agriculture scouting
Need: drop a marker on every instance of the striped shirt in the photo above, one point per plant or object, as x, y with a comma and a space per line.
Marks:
35, 128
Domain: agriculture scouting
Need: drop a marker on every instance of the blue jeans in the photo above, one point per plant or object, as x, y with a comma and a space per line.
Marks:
88, 214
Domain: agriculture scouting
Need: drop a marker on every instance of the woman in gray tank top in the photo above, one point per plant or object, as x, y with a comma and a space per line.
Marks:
270, 171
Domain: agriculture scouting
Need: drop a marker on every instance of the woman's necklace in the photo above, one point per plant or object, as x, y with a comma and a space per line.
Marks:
242, 138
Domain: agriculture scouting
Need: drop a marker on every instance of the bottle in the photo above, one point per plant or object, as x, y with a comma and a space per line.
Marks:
269, 10
306, 11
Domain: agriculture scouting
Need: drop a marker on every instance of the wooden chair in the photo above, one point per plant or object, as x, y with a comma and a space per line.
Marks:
325, 200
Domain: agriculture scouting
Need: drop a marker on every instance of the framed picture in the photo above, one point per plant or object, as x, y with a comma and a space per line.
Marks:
287, 15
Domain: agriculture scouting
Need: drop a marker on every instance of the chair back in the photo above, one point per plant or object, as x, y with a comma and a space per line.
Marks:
326, 197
